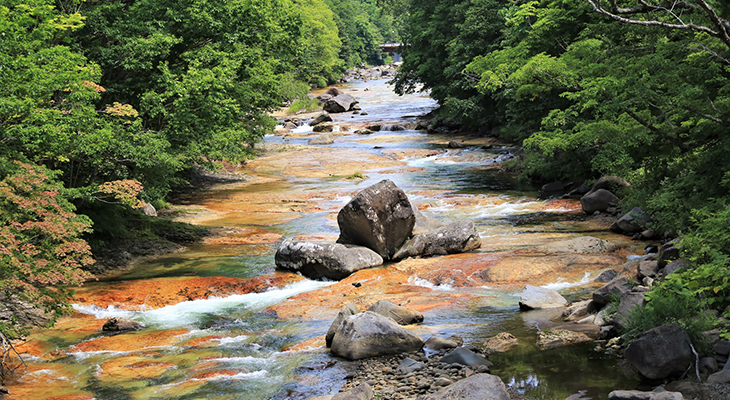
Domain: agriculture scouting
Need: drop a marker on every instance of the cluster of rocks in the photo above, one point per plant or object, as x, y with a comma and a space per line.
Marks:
375, 226
373, 73
336, 101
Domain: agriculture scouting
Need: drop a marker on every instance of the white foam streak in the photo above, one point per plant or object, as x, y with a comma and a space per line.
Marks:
239, 376
416, 281
189, 312
562, 284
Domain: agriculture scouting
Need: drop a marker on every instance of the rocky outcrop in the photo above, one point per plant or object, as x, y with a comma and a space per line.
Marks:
14, 312
600, 200
668, 252
457, 237
319, 260
369, 334
661, 352
348, 310
629, 301
534, 297
475, 387
380, 218
401, 315
579, 245
339, 104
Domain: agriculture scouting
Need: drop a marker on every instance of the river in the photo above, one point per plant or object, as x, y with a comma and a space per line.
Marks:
222, 323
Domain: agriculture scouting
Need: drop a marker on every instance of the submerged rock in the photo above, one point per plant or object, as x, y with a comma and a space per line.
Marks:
121, 325
458, 237
369, 334
500, 343
464, 356
559, 337
380, 218
324, 139
331, 261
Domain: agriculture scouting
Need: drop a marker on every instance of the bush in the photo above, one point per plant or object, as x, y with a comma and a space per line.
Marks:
304, 104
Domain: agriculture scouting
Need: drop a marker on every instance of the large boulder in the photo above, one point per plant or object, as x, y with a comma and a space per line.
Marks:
323, 139
380, 218
319, 260
363, 391
401, 315
628, 303
339, 104
661, 352
617, 287
348, 310
369, 334
534, 297
600, 200
634, 221
458, 237
121, 325
475, 387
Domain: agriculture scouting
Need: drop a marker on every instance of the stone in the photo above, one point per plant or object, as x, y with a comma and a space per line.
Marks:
149, 210
617, 287
379, 217
121, 325
604, 317
457, 237
361, 392
437, 343
339, 104
719, 377
549, 339
424, 223
322, 98
606, 276
324, 139
578, 310
722, 347
348, 310
323, 117
675, 266
364, 132
290, 125
534, 297
661, 352
552, 187
476, 387
401, 315
500, 343
609, 182
626, 306
409, 365
18, 313
441, 382
599, 200
455, 145
464, 356
634, 221
647, 268
334, 92
368, 334
331, 261
708, 365
668, 252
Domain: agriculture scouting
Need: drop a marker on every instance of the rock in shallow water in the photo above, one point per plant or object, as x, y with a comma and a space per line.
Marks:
369, 334
458, 237
331, 261
401, 315
534, 297
475, 387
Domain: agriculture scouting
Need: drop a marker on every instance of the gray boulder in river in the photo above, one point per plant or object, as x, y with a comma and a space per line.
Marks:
348, 310
600, 200
380, 218
475, 387
321, 260
457, 237
534, 297
339, 104
369, 334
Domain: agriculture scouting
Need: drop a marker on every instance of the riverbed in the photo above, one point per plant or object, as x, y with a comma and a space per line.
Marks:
222, 323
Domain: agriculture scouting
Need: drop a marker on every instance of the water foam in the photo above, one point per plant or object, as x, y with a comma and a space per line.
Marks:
188, 313
416, 281
562, 284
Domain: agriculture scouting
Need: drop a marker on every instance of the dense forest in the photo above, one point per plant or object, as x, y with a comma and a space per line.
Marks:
635, 89
106, 105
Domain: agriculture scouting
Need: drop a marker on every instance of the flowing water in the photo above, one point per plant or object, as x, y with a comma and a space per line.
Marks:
238, 347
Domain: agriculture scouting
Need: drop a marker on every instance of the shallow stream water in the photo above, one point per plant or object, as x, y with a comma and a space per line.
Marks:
235, 347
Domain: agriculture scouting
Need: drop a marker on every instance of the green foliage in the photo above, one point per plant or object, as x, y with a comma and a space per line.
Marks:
670, 304
304, 104
41, 250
